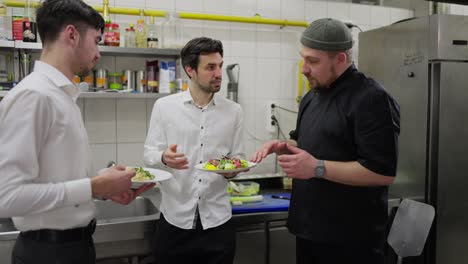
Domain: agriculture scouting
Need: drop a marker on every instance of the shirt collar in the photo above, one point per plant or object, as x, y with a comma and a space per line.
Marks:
336, 85
343, 76
58, 78
187, 98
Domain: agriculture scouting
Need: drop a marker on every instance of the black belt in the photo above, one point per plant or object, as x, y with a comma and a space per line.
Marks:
61, 236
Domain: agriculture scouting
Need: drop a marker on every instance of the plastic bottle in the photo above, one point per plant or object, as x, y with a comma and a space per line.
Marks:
172, 31
5, 23
141, 32
152, 34
105, 13
29, 23
130, 37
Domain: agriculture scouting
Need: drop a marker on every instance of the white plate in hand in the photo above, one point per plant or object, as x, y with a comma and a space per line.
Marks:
201, 167
159, 175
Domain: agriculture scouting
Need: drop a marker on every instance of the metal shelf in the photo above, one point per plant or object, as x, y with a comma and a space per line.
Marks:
121, 51
7, 44
111, 95
28, 45
105, 50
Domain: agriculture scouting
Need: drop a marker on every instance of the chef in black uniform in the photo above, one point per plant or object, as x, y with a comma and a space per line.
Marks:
342, 155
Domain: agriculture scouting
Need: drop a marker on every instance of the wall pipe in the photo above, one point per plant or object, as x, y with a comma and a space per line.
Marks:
257, 19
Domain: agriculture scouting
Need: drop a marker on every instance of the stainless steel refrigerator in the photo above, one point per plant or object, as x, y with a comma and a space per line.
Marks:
423, 63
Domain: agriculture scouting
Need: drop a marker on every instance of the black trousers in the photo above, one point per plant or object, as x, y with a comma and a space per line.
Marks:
174, 245
29, 251
308, 252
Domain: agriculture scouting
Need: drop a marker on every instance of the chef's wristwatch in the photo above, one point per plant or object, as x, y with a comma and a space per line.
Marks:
320, 169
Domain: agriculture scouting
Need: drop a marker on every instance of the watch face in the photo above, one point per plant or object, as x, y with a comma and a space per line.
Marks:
319, 172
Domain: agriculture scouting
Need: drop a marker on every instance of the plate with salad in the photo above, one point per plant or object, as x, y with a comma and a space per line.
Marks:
225, 165
147, 175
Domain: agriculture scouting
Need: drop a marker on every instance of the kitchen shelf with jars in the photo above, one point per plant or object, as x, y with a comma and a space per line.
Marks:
28, 48
137, 65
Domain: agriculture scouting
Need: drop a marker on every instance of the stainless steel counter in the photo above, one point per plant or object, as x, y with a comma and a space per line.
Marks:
124, 231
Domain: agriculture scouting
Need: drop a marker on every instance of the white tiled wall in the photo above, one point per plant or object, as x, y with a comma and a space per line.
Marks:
267, 55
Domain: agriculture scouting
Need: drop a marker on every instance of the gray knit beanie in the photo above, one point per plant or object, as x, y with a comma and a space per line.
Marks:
327, 34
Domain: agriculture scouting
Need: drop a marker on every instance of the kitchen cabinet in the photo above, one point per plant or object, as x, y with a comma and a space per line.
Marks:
282, 245
262, 238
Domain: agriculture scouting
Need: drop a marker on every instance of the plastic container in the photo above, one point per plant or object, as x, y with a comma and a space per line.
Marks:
130, 37
112, 35
5, 23
29, 23
247, 188
115, 81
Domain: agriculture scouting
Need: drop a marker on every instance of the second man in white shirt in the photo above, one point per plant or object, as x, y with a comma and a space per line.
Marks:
187, 129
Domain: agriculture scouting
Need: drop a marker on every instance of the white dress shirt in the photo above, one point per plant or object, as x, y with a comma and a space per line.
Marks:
201, 134
44, 155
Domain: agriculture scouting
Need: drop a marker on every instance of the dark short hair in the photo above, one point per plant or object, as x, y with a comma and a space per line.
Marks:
54, 15
191, 52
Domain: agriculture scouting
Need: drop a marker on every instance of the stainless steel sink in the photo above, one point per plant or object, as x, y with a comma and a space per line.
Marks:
122, 230
140, 208
6, 225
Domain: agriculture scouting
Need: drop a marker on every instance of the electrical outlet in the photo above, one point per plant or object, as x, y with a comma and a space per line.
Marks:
272, 127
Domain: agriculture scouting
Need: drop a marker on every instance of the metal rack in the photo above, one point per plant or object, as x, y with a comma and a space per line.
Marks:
13, 46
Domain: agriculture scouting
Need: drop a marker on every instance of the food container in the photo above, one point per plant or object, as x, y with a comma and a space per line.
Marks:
141, 81
76, 79
112, 35
115, 81
89, 79
101, 79
128, 80
247, 188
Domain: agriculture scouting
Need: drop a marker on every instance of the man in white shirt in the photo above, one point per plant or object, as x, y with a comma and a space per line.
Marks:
187, 129
44, 159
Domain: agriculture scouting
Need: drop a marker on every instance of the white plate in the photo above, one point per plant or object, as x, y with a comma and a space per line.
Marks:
159, 175
201, 166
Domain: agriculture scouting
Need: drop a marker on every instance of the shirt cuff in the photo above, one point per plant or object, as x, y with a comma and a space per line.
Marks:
155, 159
78, 192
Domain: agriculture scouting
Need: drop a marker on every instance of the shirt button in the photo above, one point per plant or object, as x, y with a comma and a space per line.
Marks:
199, 180
202, 127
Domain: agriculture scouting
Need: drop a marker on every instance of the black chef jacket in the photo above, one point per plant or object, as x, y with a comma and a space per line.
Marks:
354, 119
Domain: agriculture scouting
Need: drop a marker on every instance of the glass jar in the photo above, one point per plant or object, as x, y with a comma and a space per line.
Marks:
101, 79
76, 79
115, 81
171, 31
89, 79
112, 35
